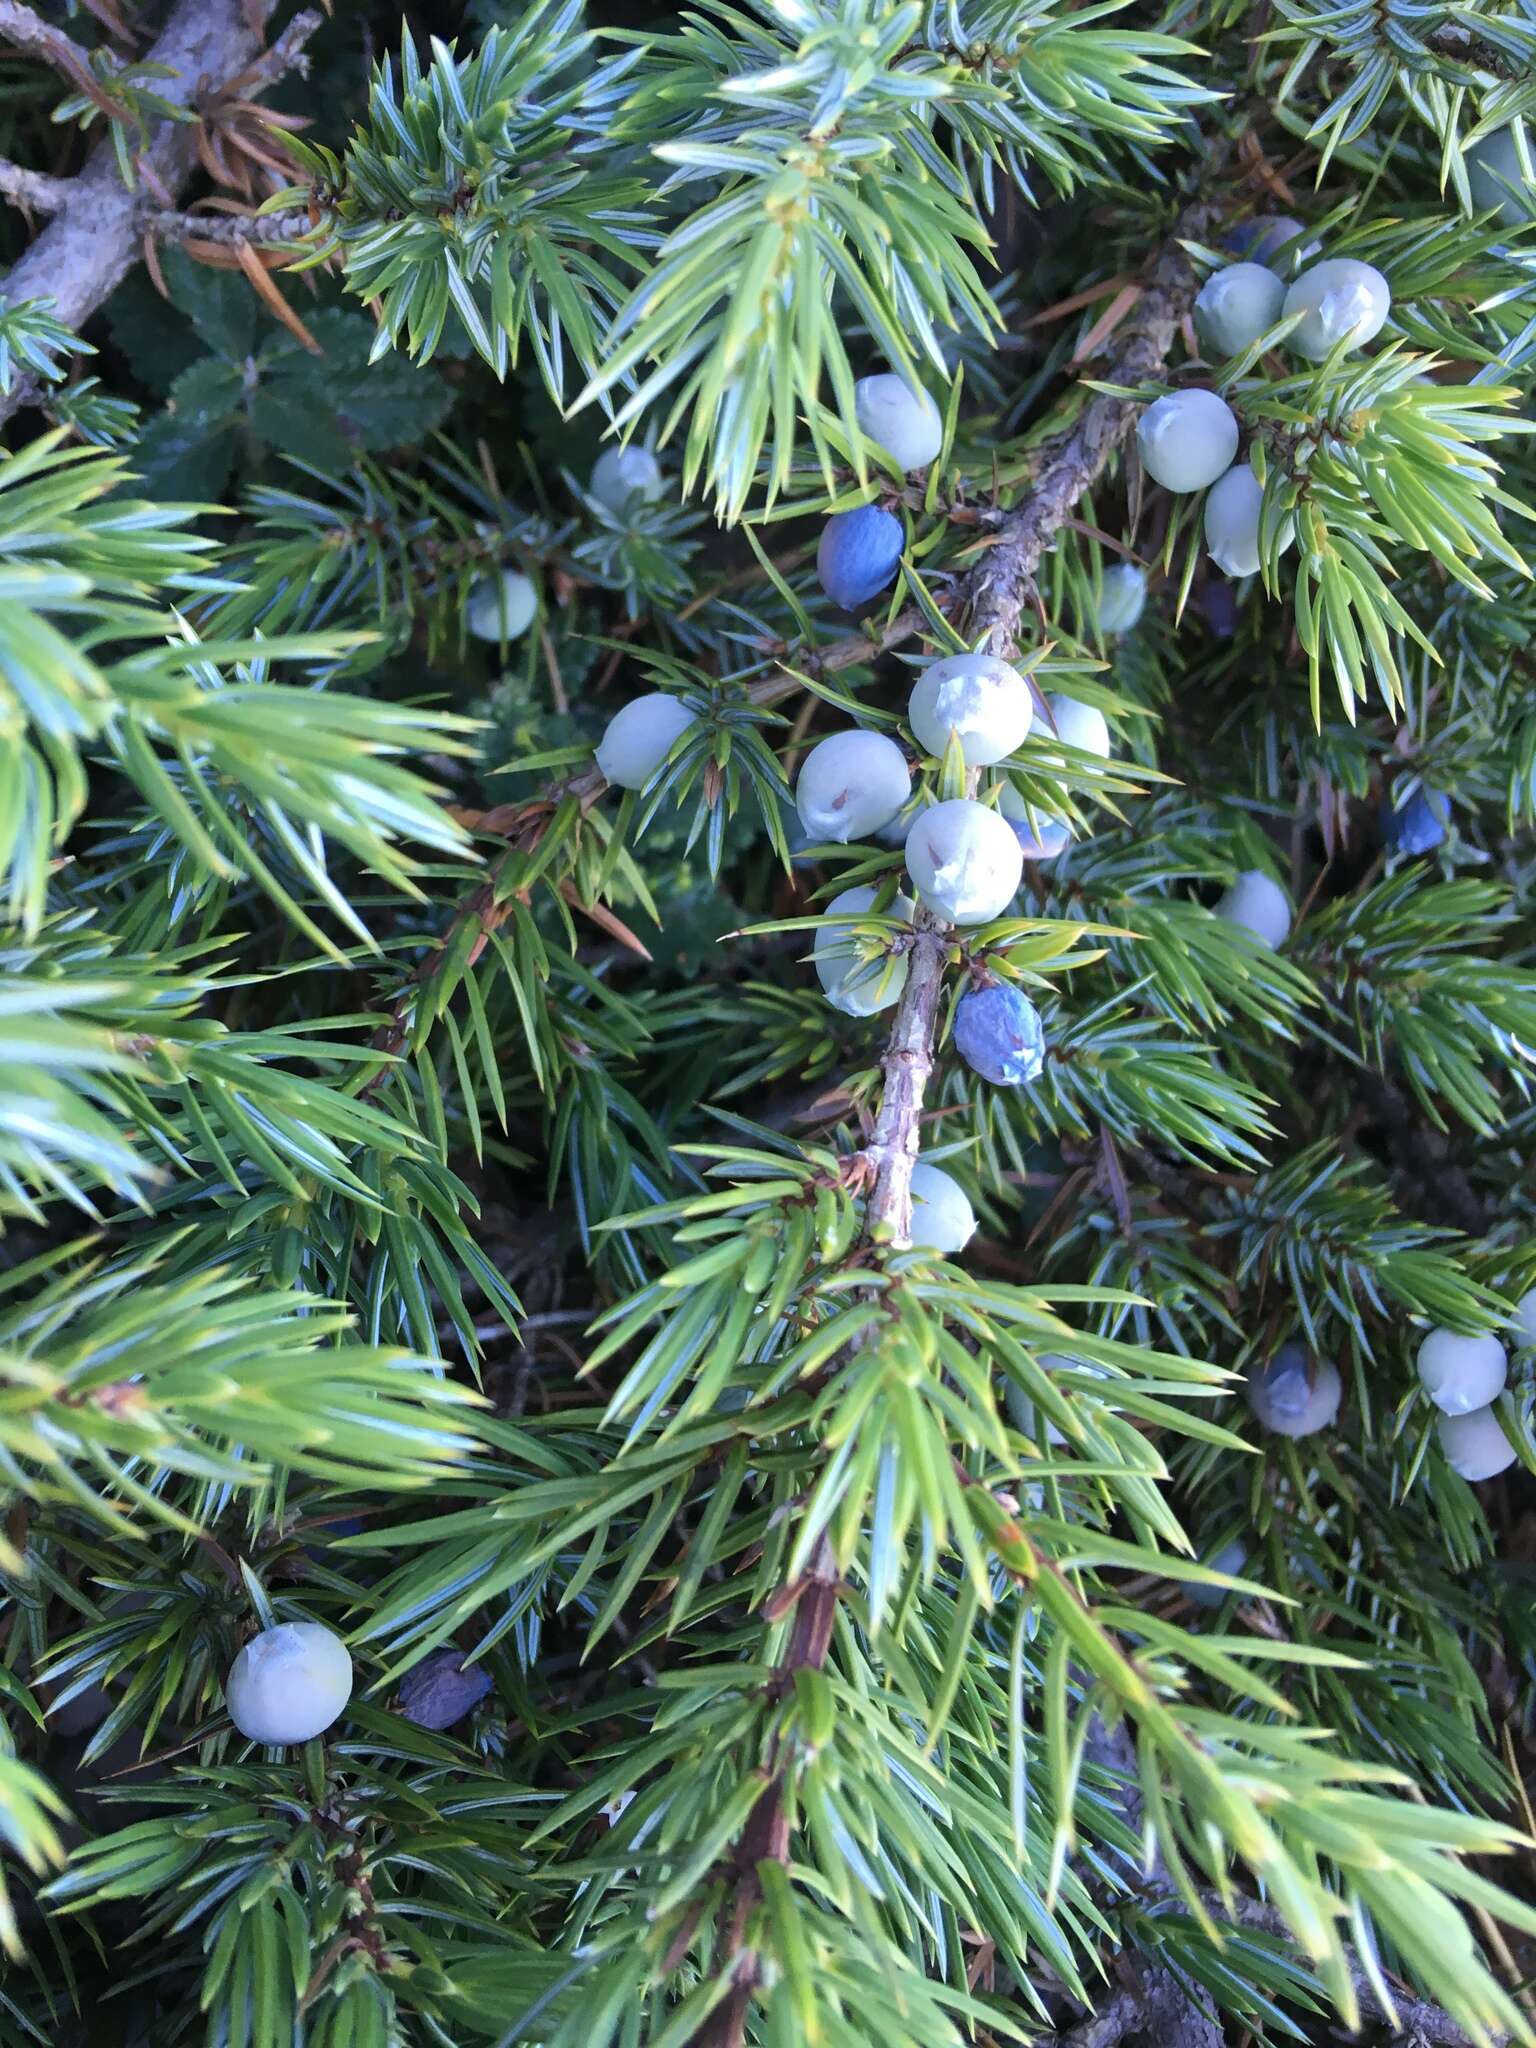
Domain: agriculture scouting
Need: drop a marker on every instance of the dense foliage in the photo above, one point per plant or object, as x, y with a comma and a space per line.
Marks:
437, 1197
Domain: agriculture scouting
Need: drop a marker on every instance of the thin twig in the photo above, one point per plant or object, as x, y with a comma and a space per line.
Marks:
26, 30
35, 190
223, 230
95, 236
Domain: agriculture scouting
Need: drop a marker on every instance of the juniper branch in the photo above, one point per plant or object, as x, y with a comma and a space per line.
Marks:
95, 235
226, 230
35, 190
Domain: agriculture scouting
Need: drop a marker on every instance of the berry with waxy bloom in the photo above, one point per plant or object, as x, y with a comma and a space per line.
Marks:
943, 1220
850, 784
1295, 1394
900, 418
1232, 508
289, 1683
639, 738
856, 985
1259, 904
620, 474
1340, 299
999, 1035
1474, 1444
1461, 1373
501, 607
1122, 598
982, 699
1187, 439
1418, 826
859, 554
1236, 305
965, 861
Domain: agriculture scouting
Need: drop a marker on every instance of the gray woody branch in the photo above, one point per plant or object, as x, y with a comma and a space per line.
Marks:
97, 228
995, 595
997, 592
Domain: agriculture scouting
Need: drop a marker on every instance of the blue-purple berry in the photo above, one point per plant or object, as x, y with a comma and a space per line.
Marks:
1419, 826
442, 1689
999, 1035
859, 554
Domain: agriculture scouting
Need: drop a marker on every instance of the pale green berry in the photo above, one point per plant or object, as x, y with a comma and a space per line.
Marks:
980, 698
1340, 300
943, 1220
1236, 305
1259, 905
502, 607
640, 737
289, 1683
1187, 439
1461, 1373
900, 418
854, 983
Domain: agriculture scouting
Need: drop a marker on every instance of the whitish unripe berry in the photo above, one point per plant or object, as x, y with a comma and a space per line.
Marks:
1525, 1318
1040, 836
1122, 598
899, 418
942, 1219
620, 474
1497, 178
859, 554
501, 607
965, 860
850, 785
857, 985
1295, 1394
1236, 306
1187, 439
1340, 299
1079, 725
1461, 1373
1475, 1445
999, 1035
640, 737
1259, 905
1229, 1559
1264, 237
1232, 508
1417, 826
289, 1683
977, 696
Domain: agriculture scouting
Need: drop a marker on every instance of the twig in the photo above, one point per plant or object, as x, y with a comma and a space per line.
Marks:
1004, 581
34, 190
287, 54
224, 230
997, 591
94, 236
27, 31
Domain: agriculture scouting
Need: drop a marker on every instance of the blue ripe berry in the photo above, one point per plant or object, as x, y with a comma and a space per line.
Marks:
999, 1036
1294, 1394
441, 1690
1264, 237
859, 554
1419, 826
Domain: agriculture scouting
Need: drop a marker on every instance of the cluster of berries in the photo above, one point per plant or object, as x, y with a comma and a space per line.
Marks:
1189, 440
